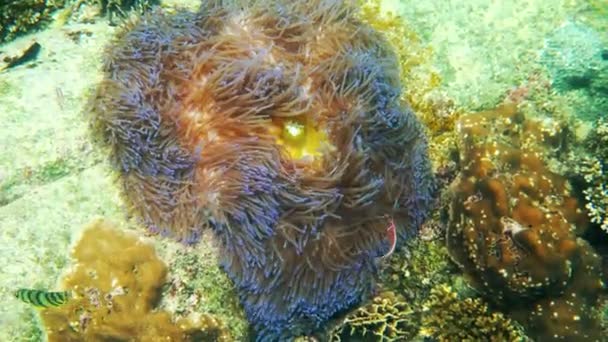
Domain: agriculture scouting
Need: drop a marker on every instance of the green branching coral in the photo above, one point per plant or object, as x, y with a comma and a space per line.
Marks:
450, 318
388, 317
18, 17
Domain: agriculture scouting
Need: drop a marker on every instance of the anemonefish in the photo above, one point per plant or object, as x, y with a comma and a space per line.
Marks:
391, 234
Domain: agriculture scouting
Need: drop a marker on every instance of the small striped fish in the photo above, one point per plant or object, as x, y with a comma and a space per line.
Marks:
42, 299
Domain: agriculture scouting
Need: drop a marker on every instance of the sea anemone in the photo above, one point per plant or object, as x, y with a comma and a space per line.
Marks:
281, 127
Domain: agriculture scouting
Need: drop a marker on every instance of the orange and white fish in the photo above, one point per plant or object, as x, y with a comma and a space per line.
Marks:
391, 233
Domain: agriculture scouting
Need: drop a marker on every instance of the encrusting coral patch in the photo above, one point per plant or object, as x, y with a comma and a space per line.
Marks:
515, 225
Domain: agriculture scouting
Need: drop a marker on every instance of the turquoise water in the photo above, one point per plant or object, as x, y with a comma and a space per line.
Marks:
503, 235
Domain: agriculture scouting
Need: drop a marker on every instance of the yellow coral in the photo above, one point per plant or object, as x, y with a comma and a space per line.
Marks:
116, 282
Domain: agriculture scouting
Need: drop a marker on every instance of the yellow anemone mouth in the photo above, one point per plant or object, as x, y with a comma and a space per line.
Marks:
300, 138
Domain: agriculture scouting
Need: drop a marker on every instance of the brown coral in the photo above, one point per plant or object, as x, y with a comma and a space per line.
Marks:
115, 285
514, 225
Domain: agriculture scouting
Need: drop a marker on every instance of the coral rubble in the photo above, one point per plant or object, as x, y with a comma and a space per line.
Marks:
279, 126
515, 225
115, 285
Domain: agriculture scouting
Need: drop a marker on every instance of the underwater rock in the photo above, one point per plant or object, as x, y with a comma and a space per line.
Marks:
574, 57
27, 55
514, 226
280, 127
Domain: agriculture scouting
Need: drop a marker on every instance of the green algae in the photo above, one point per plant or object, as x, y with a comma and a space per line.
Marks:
197, 284
421, 266
21, 181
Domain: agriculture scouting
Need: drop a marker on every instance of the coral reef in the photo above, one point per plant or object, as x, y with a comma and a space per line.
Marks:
451, 318
279, 126
18, 17
110, 6
386, 318
115, 285
515, 225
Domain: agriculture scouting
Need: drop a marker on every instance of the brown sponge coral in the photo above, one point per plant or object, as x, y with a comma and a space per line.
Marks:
115, 285
279, 125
